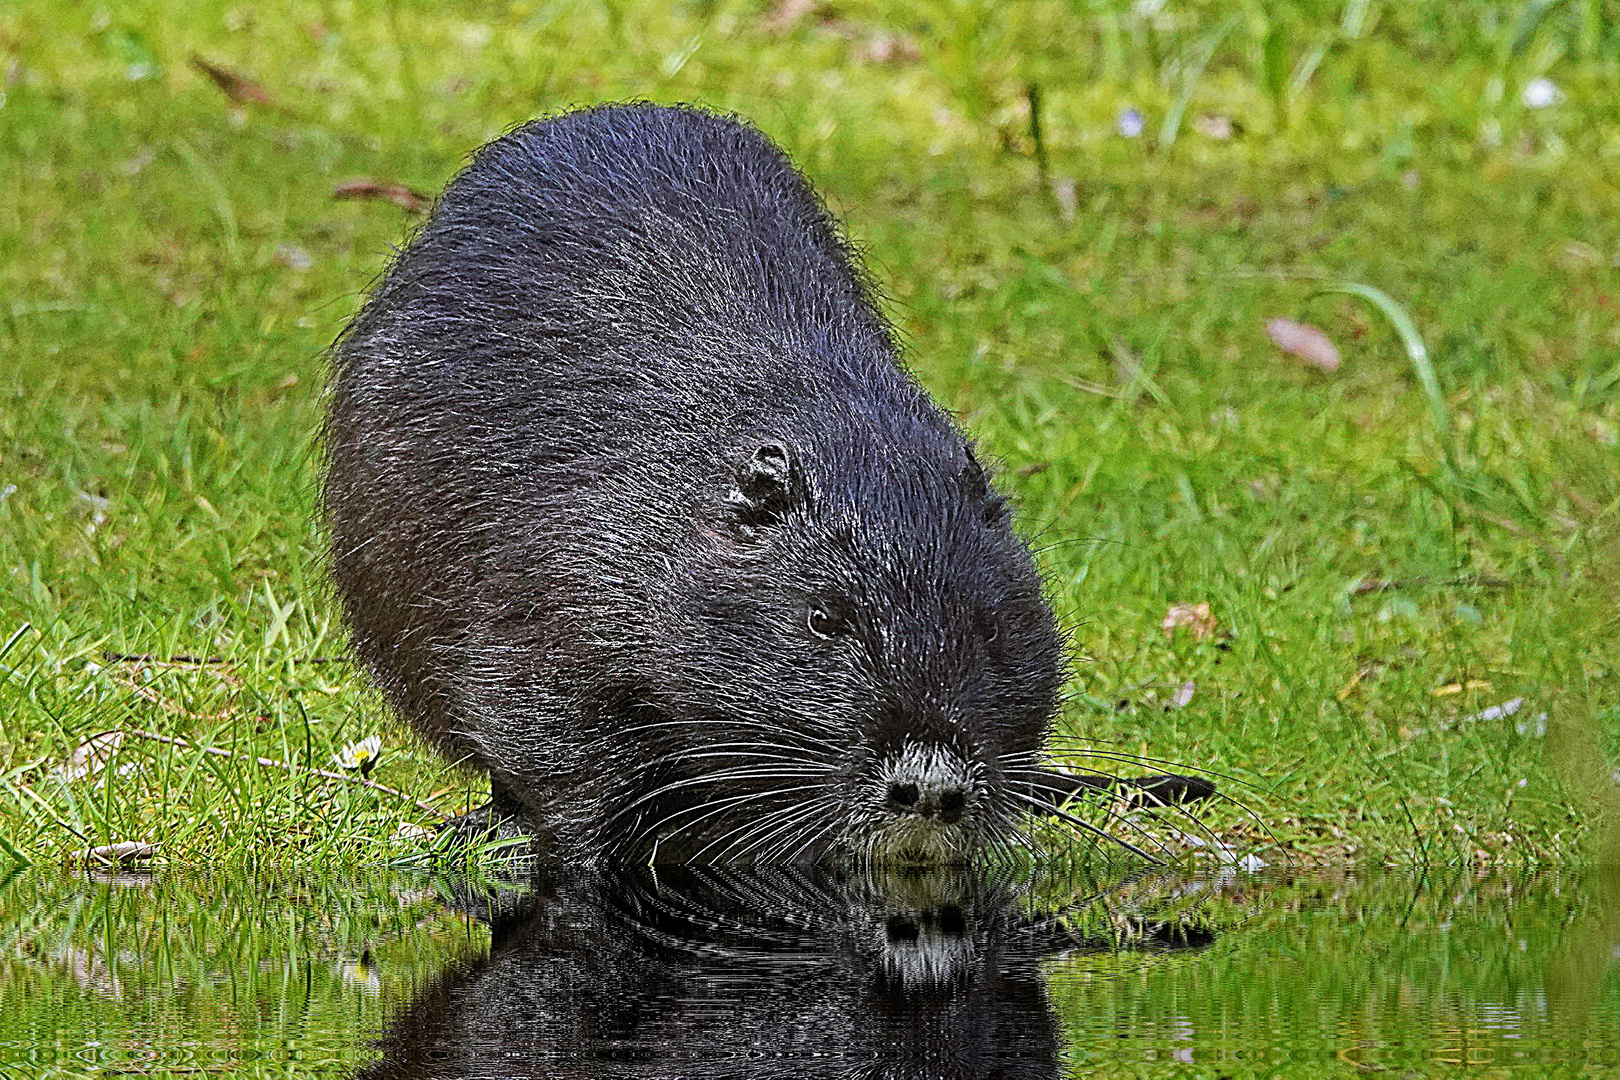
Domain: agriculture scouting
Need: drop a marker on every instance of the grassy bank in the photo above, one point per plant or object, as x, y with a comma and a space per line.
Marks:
1385, 567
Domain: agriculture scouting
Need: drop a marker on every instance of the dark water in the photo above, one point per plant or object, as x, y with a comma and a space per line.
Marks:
760, 974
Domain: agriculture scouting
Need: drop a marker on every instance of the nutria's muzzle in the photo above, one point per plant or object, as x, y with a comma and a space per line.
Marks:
927, 812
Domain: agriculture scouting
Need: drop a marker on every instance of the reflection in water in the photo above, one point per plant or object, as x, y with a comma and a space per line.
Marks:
706, 974
756, 973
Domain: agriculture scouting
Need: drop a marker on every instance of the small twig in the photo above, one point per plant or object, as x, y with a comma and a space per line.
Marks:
405, 198
148, 694
187, 660
272, 763
177, 660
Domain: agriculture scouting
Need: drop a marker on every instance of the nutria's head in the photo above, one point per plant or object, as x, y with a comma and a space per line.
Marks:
858, 654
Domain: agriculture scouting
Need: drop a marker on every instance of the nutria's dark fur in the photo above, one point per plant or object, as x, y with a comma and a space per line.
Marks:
633, 506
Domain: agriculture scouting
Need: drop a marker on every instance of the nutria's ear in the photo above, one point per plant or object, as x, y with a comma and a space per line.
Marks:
976, 482
768, 483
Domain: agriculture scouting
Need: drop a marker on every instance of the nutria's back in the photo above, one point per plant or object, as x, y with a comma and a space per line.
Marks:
633, 505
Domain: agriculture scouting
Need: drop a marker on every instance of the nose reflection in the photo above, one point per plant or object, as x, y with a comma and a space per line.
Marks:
744, 973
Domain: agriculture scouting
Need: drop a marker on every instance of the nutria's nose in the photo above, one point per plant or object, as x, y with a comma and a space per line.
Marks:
944, 801
927, 781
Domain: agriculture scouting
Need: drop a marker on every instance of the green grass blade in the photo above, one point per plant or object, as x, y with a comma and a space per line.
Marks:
1199, 59
219, 197
16, 636
1530, 19
18, 858
1416, 351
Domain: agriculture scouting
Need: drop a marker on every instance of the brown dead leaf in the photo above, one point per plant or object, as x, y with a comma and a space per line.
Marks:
241, 90
398, 194
1194, 617
90, 757
1304, 341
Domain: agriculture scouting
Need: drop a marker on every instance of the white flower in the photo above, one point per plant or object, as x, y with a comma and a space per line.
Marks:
1539, 93
362, 755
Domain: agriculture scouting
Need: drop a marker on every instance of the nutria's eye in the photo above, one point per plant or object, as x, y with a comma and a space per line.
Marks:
824, 622
987, 625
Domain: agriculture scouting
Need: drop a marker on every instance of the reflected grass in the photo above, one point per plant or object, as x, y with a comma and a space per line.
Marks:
1240, 974
252, 974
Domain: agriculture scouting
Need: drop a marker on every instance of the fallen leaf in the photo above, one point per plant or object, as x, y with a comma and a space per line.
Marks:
398, 194
1194, 617
1305, 342
242, 91
1183, 695
90, 757
1213, 126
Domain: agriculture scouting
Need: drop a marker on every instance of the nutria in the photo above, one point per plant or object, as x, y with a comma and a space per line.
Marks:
634, 506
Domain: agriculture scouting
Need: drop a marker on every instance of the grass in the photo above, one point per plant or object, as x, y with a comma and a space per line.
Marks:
1387, 551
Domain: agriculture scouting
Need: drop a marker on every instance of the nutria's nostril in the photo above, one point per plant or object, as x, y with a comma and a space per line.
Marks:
903, 928
903, 795
951, 805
